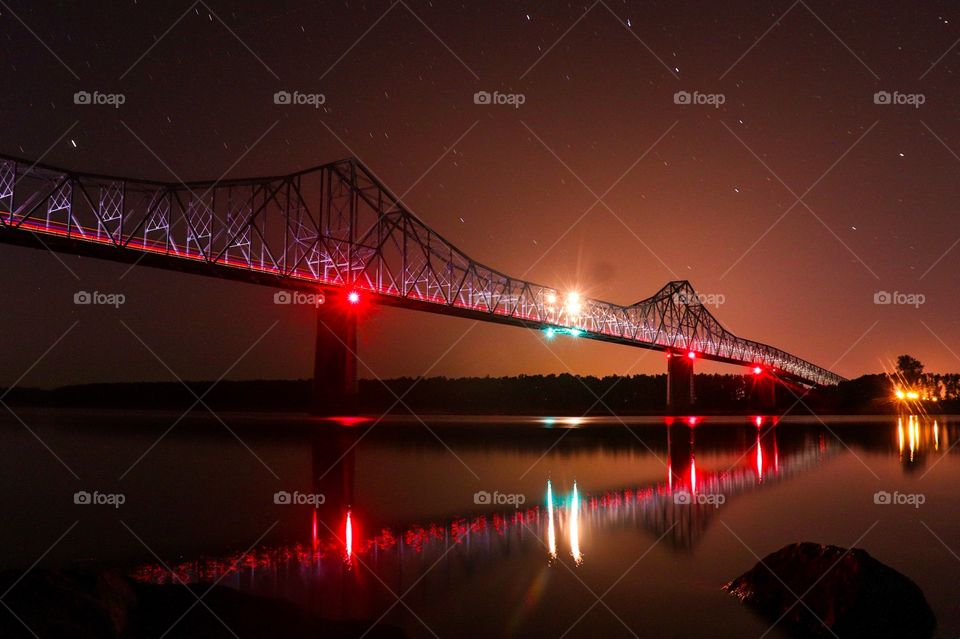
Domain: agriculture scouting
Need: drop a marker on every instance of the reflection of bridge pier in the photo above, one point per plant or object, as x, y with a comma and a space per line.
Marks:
335, 389
334, 469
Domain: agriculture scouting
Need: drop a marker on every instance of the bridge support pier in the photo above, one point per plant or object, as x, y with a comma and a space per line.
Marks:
763, 393
680, 391
335, 390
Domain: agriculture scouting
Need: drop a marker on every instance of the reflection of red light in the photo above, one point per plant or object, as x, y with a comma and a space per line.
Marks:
313, 532
757, 370
353, 297
348, 537
692, 355
349, 420
692, 421
758, 421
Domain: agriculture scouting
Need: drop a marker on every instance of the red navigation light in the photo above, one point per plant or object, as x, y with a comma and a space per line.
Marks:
757, 370
691, 355
353, 297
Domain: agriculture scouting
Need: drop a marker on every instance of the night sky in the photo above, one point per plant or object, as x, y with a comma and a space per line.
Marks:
795, 202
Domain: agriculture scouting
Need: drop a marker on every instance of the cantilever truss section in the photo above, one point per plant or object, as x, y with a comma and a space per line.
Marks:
337, 225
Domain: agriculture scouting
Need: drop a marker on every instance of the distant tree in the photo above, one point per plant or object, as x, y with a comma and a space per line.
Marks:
909, 368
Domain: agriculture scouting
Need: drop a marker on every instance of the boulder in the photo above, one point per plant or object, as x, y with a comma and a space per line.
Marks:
847, 591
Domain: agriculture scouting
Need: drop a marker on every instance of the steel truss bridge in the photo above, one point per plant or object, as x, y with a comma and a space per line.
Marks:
336, 226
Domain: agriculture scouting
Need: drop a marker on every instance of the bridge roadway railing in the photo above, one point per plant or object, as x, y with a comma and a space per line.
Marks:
337, 225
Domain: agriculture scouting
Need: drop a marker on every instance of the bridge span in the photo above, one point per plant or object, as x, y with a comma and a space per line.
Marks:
336, 228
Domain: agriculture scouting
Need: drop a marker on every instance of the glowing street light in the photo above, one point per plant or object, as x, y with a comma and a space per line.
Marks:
691, 355
353, 297
757, 370
573, 303
551, 299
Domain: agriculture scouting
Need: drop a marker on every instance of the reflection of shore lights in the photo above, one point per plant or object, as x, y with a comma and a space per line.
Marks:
551, 530
575, 527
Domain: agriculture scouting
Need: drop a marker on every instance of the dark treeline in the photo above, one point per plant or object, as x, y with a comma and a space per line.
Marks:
525, 394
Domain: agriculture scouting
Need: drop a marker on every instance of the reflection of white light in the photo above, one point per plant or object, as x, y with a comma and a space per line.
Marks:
551, 530
575, 527
573, 421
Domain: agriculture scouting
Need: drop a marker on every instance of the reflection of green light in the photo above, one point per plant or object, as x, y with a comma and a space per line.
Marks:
550, 333
549, 422
574, 332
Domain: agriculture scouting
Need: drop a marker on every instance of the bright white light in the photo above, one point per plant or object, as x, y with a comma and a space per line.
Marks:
551, 298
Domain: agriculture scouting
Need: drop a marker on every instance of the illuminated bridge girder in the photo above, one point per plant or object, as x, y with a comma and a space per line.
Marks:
336, 225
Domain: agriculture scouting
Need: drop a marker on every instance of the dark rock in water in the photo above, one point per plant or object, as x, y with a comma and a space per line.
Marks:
98, 604
851, 592
83, 604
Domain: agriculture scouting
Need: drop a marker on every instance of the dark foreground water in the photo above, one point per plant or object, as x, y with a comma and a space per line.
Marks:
526, 527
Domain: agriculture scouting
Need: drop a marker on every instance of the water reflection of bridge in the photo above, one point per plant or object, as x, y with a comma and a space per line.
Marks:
343, 546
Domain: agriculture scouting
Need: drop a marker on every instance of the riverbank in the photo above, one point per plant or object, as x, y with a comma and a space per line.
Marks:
637, 395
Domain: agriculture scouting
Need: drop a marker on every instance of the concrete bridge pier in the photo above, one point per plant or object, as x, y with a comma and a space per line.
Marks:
763, 393
335, 390
680, 391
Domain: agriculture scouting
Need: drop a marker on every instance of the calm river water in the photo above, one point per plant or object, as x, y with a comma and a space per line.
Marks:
506, 527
